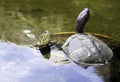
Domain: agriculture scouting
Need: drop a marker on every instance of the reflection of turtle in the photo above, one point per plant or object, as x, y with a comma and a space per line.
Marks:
85, 48
91, 43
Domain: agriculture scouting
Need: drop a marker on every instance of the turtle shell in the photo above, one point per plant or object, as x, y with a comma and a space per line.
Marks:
87, 48
61, 37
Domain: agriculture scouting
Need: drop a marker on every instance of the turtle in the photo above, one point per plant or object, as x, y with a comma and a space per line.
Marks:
85, 48
43, 44
47, 39
57, 39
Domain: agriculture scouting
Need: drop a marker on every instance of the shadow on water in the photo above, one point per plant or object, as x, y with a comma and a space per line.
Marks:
111, 72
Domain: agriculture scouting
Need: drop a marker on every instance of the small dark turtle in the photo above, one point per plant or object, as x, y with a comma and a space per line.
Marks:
43, 44
86, 48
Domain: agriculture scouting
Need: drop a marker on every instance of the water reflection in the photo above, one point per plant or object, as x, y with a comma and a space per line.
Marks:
24, 64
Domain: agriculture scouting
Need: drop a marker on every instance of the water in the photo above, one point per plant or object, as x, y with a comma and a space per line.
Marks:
23, 21
25, 64
56, 16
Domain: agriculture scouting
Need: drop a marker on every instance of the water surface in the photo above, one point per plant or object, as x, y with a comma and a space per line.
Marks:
25, 64
21, 22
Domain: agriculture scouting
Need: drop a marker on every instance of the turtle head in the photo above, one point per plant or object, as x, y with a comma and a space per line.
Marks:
82, 20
